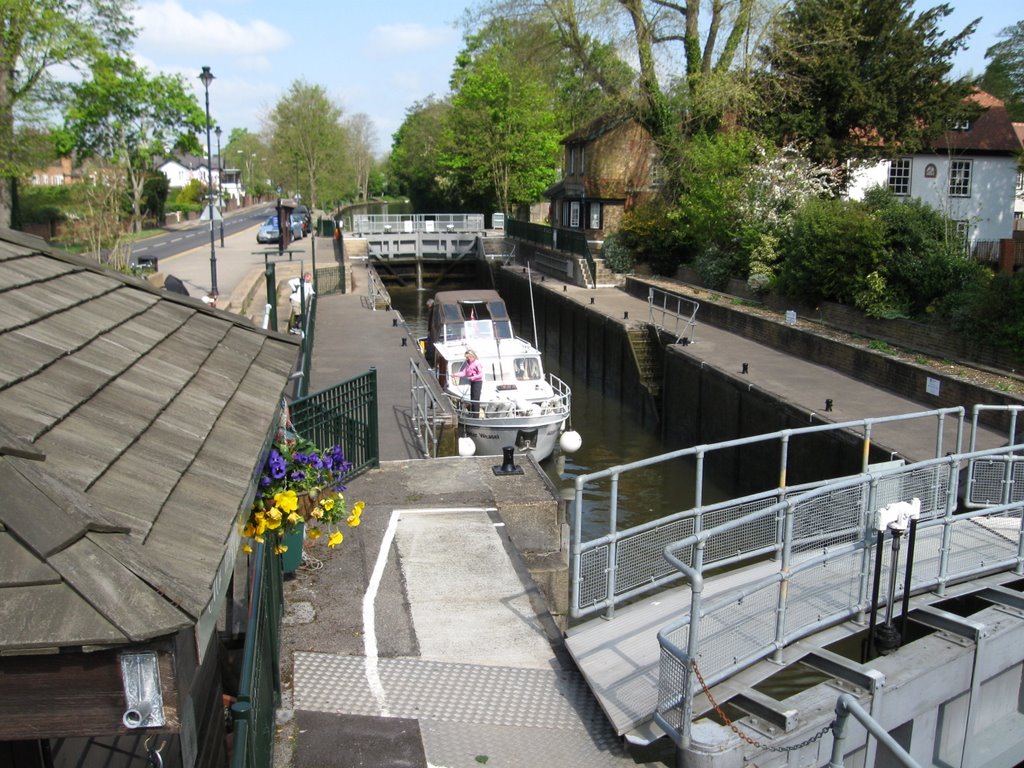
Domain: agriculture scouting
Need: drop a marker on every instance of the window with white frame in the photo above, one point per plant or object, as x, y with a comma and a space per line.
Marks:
1020, 180
595, 216
960, 178
899, 176
574, 214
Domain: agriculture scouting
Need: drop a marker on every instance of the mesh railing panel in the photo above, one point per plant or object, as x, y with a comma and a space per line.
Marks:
823, 591
674, 682
988, 477
930, 485
593, 588
762, 532
640, 559
829, 519
979, 542
736, 630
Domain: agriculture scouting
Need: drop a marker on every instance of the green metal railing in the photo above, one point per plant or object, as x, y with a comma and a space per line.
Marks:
570, 240
259, 692
345, 415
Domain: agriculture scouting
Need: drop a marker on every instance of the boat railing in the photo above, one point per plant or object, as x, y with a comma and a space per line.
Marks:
559, 404
624, 564
826, 543
673, 314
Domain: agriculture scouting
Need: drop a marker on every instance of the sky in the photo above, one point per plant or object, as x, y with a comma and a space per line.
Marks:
378, 59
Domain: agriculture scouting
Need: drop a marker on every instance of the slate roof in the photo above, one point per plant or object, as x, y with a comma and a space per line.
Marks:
990, 131
132, 423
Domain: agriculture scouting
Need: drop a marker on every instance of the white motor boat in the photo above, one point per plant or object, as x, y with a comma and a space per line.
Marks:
519, 406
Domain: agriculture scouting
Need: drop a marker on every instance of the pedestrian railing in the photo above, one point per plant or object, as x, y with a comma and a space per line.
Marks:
345, 415
676, 315
377, 292
429, 414
409, 223
259, 693
622, 565
824, 545
569, 240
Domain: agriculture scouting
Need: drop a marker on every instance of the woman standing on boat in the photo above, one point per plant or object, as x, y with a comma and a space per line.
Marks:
471, 370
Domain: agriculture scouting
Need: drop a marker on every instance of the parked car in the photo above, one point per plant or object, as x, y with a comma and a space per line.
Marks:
268, 232
298, 221
295, 228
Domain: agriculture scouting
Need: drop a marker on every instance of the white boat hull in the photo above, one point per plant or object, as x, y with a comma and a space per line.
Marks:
536, 435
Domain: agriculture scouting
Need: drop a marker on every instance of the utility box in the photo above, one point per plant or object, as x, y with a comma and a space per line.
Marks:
498, 220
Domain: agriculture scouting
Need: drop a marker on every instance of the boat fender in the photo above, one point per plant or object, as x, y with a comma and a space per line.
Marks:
466, 447
570, 441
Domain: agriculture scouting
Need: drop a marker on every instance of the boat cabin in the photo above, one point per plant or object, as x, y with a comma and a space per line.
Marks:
456, 315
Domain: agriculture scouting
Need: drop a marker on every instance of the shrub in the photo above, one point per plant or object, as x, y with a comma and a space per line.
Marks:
617, 257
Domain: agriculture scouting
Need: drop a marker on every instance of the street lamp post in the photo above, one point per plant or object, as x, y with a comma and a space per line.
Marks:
220, 176
207, 78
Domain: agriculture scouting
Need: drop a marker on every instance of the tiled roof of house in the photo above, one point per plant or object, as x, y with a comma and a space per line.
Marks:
133, 422
990, 131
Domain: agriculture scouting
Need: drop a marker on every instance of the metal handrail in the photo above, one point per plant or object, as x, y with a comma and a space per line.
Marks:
408, 223
649, 572
426, 405
660, 309
844, 563
376, 289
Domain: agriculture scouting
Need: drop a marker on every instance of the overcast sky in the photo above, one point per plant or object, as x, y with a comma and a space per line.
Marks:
375, 58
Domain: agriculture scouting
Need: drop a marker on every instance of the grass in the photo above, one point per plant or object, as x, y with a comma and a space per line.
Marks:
882, 346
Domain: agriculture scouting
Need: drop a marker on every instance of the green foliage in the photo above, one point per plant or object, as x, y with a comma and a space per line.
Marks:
650, 235
193, 193
41, 205
990, 310
155, 190
715, 268
415, 157
831, 248
859, 77
1004, 75
617, 257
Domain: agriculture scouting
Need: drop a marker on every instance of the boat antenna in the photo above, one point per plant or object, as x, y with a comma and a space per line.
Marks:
533, 314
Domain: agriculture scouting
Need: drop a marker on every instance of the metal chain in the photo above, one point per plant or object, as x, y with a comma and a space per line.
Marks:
749, 739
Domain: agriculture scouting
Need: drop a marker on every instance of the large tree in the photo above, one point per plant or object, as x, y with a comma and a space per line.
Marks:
307, 141
416, 156
858, 78
1004, 75
503, 130
125, 116
38, 40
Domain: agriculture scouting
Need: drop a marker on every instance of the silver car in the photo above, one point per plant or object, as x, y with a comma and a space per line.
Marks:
268, 231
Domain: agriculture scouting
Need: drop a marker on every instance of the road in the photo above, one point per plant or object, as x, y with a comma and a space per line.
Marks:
185, 252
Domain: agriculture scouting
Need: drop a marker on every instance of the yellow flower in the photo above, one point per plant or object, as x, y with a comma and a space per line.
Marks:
247, 549
327, 504
273, 518
294, 518
353, 520
313, 533
280, 549
317, 513
287, 501
357, 508
335, 539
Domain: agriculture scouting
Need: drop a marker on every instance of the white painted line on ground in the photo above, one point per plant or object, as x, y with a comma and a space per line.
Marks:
370, 596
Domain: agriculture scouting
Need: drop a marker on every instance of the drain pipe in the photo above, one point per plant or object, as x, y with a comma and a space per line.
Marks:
895, 517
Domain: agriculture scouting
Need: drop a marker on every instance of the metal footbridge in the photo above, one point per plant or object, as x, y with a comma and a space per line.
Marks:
697, 608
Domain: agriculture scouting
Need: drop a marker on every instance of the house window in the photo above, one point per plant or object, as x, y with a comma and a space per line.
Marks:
583, 150
960, 178
571, 152
574, 215
1020, 181
899, 176
595, 216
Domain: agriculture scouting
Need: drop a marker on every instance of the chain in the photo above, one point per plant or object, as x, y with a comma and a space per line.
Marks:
750, 740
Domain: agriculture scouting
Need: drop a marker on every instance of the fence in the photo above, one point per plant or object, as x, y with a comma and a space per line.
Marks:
259, 692
569, 240
408, 223
345, 415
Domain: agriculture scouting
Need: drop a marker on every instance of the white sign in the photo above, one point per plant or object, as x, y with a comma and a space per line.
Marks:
932, 386
790, 317
206, 214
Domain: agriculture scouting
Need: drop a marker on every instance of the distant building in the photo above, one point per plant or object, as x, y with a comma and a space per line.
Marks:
608, 169
57, 174
970, 173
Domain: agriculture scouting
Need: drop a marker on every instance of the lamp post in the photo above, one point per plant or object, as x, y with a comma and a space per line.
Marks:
220, 176
207, 78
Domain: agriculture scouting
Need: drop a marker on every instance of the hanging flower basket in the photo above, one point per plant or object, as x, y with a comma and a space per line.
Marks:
300, 489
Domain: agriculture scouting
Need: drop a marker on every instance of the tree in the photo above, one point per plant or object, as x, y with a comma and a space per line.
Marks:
307, 140
858, 78
503, 130
39, 38
416, 156
249, 152
123, 115
361, 137
1004, 75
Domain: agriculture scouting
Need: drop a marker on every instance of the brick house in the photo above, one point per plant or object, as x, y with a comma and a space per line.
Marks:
607, 170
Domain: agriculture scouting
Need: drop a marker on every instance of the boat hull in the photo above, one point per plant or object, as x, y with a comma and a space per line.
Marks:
536, 435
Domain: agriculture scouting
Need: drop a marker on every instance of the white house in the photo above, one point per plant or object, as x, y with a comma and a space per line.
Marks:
1018, 202
181, 170
970, 174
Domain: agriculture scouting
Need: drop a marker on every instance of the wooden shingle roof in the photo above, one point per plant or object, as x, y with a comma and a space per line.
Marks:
132, 423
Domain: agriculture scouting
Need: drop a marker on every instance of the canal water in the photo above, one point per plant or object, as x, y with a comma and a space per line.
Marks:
612, 435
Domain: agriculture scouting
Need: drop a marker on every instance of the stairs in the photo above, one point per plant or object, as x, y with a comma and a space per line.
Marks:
648, 353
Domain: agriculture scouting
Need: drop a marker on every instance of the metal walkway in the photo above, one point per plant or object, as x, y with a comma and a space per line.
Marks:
772, 570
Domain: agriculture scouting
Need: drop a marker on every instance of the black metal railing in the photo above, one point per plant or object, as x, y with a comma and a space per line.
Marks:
345, 415
569, 240
259, 693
